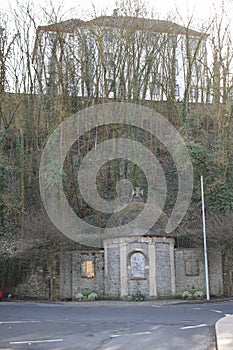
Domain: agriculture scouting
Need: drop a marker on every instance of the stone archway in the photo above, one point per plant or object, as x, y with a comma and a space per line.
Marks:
138, 273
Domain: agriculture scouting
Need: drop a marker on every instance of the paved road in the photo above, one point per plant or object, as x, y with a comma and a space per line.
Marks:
115, 326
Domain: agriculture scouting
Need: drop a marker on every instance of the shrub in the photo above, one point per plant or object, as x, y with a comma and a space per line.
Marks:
86, 292
79, 297
198, 294
192, 294
187, 295
92, 296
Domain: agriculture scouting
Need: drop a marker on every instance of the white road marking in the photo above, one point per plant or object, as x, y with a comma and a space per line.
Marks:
12, 322
196, 308
217, 311
228, 315
123, 335
197, 326
29, 342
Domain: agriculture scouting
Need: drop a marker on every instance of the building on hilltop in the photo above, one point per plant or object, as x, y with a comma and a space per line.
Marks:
122, 57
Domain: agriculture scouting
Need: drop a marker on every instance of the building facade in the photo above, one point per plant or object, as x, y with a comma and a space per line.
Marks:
151, 266
125, 58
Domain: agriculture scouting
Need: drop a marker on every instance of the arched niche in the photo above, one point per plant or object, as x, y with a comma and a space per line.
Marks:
137, 264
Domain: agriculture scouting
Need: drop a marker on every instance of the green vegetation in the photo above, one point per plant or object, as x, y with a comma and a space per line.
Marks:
40, 100
12, 271
85, 295
193, 294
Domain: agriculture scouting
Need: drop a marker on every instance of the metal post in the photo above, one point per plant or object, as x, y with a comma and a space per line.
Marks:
204, 237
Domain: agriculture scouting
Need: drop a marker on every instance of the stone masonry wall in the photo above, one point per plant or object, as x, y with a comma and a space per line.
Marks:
183, 281
65, 271
79, 283
186, 280
66, 275
163, 269
121, 279
215, 272
112, 270
39, 270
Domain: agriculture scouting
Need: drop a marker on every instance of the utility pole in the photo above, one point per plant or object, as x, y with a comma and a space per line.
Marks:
204, 238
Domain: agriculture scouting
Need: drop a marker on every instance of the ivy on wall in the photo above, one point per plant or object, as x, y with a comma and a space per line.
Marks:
13, 271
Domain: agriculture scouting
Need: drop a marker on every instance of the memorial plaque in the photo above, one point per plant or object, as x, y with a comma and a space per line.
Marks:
137, 265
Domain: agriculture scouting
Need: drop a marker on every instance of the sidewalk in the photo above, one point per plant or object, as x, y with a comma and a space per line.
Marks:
224, 333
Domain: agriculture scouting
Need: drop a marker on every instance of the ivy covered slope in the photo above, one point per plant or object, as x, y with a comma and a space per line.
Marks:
24, 223
39, 90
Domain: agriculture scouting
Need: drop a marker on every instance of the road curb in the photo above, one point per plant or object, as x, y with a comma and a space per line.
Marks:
162, 302
224, 333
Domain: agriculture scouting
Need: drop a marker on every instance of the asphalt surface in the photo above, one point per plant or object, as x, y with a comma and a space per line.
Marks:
110, 325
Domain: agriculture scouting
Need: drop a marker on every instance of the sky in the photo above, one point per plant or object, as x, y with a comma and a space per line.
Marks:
200, 9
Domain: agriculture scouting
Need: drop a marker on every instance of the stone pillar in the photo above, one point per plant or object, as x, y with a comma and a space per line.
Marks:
172, 263
123, 268
66, 275
152, 270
